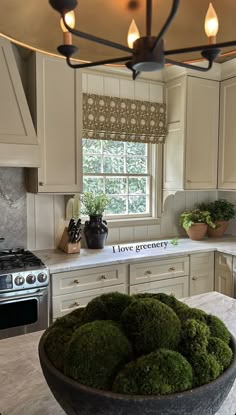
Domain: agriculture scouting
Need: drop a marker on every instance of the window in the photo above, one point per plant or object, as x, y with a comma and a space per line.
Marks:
122, 170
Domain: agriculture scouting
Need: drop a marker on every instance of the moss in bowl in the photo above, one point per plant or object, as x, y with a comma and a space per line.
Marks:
150, 358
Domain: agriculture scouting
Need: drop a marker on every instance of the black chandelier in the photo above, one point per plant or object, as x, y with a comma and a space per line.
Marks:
147, 53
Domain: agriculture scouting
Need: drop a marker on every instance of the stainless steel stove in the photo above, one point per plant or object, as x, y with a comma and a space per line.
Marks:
24, 283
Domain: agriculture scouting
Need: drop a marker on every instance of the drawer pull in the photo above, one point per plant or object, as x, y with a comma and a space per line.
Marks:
149, 272
103, 277
171, 269
76, 281
76, 304
194, 278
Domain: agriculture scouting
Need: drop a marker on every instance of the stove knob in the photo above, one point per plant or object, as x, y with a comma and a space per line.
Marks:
30, 279
42, 277
19, 280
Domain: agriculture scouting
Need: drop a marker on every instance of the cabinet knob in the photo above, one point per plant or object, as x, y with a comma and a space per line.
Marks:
41, 183
148, 272
188, 181
76, 281
171, 269
103, 277
194, 278
76, 304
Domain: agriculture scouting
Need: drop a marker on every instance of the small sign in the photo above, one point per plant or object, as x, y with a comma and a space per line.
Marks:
139, 247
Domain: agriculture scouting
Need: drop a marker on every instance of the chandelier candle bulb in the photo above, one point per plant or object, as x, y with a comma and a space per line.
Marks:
211, 24
70, 20
133, 34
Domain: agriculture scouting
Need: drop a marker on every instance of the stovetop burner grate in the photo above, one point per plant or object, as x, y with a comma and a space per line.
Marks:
19, 259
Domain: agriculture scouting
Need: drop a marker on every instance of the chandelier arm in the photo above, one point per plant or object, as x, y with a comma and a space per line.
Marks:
148, 17
171, 16
200, 48
96, 39
103, 62
189, 66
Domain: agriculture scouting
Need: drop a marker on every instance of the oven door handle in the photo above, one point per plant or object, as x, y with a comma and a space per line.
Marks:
22, 297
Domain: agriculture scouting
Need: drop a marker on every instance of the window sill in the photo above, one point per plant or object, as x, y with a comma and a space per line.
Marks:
120, 223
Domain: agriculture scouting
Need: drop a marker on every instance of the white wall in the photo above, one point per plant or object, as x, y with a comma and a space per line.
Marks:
46, 221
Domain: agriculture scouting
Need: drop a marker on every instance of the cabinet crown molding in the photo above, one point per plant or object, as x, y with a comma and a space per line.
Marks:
219, 71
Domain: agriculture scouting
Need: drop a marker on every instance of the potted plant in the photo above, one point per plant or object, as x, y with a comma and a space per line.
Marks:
221, 212
195, 223
142, 354
95, 229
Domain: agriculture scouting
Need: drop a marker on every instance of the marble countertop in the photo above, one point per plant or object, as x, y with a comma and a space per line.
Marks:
58, 261
23, 389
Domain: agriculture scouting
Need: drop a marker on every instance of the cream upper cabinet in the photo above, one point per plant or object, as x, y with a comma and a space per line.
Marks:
227, 141
18, 140
201, 273
59, 121
190, 151
224, 274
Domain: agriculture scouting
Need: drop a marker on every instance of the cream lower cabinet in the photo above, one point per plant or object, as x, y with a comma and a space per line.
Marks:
201, 273
74, 289
224, 274
58, 112
170, 276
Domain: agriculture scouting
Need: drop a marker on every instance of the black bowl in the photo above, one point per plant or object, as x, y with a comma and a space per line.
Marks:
77, 399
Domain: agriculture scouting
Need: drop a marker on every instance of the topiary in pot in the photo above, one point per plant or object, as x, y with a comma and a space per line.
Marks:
222, 211
95, 229
143, 359
195, 223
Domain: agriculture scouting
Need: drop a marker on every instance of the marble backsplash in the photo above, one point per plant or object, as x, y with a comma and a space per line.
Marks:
13, 212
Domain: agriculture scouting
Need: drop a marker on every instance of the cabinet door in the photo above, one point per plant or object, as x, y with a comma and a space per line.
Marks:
224, 274
179, 287
201, 273
59, 119
201, 134
227, 142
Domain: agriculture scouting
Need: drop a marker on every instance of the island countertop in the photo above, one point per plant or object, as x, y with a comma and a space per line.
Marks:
58, 261
24, 391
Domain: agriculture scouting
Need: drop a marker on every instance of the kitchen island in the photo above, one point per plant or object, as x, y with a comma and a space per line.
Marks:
23, 389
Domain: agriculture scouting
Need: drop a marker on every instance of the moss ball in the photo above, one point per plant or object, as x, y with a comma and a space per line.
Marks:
205, 368
72, 320
220, 351
150, 325
106, 307
95, 354
194, 337
161, 372
56, 339
169, 300
192, 313
218, 328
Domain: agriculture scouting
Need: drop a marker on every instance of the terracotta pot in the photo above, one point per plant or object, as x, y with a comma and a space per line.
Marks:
219, 230
197, 231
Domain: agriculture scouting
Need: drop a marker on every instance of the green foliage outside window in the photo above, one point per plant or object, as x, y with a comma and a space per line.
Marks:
120, 170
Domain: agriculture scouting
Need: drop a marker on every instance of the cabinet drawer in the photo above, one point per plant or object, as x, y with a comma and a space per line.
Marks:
158, 270
64, 304
87, 279
179, 287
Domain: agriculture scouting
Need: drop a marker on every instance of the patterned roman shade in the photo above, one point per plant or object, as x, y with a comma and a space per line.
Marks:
111, 118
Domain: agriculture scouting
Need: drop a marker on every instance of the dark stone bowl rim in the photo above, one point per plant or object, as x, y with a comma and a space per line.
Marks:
93, 391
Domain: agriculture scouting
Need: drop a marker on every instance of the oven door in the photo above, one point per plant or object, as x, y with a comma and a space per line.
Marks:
23, 312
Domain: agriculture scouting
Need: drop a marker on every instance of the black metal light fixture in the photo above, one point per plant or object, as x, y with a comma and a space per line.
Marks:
146, 53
